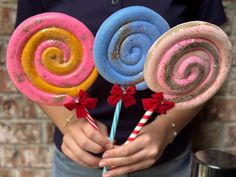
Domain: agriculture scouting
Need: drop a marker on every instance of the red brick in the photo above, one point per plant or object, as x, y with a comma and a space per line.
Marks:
231, 83
221, 109
40, 113
35, 156
16, 106
223, 91
10, 1
7, 17
48, 133
20, 133
25, 172
35, 173
227, 27
229, 135
6, 85
233, 30
207, 135
1, 54
229, 87
8, 156
233, 41
3, 41
6, 173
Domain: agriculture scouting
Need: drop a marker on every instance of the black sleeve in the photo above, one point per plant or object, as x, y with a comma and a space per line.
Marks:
28, 8
207, 10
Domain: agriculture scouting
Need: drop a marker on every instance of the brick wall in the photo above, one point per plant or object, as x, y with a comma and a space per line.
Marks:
26, 133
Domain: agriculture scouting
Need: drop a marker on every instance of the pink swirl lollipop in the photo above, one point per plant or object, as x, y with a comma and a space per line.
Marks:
189, 63
50, 60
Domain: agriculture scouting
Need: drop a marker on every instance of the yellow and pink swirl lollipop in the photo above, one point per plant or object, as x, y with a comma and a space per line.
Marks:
50, 58
189, 63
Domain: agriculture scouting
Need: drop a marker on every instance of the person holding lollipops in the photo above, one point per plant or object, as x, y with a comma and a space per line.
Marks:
157, 151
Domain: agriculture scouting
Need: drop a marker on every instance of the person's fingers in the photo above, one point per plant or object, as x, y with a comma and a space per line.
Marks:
68, 141
89, 159
71, 155
96, 136
127, 149
122, 161
83, 142
140, 150
87, 144
79, 131
79, 155
102, 129
128, 169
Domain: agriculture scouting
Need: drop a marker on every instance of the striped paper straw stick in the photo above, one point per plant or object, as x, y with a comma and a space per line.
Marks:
114, 125
140, 125
91, 121
115, 121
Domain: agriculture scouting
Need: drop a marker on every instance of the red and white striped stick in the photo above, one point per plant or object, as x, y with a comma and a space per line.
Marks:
75, 104
91, 120
140, 125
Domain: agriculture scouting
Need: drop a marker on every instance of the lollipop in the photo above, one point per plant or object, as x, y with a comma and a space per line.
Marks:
122, 43
50, 59
189, 63
120, 49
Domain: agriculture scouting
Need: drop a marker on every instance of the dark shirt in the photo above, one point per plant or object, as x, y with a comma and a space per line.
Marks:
92, 13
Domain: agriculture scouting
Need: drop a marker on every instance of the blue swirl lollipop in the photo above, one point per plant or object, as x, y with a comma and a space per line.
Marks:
120, 48
122, 42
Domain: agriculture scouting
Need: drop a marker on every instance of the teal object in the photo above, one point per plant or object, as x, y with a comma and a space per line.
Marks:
114, 125
115, 121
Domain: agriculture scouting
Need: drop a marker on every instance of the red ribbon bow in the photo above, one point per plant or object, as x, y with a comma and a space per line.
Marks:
81, 103
127, 95
157, 103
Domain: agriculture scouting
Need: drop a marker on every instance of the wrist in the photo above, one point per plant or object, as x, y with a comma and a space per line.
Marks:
168, 127
172, 129
68, 121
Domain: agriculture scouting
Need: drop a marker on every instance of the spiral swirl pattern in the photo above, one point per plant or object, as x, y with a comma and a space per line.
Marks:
122, 42
49, 58
189, 63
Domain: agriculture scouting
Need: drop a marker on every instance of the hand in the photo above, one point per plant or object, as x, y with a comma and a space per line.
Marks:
141, 153
81, 139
